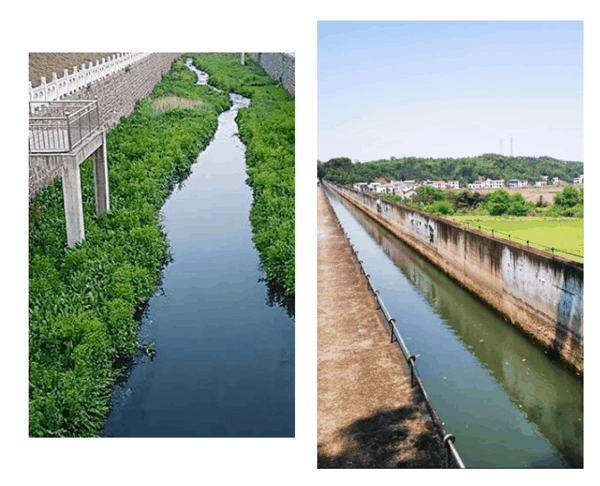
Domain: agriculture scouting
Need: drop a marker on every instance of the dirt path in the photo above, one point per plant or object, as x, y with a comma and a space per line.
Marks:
368, 414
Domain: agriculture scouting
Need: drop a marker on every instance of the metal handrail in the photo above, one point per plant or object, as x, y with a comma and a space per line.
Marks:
60, 134
447, 438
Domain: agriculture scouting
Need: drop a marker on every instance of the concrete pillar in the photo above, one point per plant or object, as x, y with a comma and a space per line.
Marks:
72, 199
101, 178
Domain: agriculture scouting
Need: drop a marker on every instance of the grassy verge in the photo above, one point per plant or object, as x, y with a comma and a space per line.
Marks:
564, 234
82, 300
267, 128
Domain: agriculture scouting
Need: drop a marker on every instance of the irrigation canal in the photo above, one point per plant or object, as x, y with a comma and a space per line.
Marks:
224, 362
507, 404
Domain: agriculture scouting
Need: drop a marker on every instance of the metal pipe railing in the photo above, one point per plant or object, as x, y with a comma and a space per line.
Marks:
447, 438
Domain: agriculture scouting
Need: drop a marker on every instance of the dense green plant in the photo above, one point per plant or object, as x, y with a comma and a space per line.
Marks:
267, 128
568, 197
442, 207
82, 300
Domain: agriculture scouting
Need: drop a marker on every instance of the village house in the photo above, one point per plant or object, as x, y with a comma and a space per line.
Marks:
555, 180
453, 184
513, 183
578, 180
441, 185
476, 185
494, 184
541, 182
360, 186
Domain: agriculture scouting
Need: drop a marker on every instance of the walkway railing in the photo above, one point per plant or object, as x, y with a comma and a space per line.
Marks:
452, 455
529, 243
82, 76
59, 126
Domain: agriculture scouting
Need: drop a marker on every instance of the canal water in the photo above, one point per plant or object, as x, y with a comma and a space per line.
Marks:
507, 404
224, 361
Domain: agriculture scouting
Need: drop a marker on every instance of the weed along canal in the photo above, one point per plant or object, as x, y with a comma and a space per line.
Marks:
223, 364
506, 403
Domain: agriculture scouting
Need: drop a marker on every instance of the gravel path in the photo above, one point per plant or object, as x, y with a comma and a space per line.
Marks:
368, 414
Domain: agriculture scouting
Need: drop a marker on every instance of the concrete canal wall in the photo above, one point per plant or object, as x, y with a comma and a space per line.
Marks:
116, 95
539, 293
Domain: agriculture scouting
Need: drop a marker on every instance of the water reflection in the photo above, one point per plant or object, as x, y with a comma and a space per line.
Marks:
494, 389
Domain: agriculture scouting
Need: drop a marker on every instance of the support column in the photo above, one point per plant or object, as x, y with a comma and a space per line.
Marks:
101, 178
72, 199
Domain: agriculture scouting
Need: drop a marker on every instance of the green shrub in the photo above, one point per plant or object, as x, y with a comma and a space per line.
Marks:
82, 299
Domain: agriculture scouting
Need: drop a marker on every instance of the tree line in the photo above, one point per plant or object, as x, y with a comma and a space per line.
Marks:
466, 170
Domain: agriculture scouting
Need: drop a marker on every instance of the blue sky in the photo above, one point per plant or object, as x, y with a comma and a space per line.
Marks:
449, 89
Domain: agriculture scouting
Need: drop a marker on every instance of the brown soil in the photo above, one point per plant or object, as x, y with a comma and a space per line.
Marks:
533, 193
369, 416
46, 63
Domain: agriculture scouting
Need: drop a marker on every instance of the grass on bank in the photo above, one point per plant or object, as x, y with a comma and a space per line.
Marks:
82, 300
564, 234
267, 128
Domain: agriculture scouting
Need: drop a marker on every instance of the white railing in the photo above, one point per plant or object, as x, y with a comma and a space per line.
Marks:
82, 76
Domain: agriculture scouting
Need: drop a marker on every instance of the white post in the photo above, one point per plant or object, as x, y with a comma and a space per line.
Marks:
101, 178
73, 201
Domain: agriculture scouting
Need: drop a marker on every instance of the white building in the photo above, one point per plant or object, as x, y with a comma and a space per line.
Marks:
441, 185
494, 184
541, 183
578, 180
453, 184
360, 186
476, 185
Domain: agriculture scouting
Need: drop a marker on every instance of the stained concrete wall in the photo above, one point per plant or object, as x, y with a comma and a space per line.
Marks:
281, 66
116, 95
539, 293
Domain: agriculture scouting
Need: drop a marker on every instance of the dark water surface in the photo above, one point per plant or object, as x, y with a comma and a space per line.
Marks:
224, 363
507, 404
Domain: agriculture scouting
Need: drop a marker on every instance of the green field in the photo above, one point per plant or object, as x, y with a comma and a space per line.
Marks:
563, 234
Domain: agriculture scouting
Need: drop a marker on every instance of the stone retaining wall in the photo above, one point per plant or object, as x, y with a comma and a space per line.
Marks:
116, 95
281, 66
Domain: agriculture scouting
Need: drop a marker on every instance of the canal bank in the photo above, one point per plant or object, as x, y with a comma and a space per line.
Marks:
538, 293
368, 413
507, 404
224, 362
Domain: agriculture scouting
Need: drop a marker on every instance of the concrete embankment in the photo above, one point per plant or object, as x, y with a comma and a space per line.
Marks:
369, 416
539, 293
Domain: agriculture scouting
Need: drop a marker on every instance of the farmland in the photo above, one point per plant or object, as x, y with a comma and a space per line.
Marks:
560, 233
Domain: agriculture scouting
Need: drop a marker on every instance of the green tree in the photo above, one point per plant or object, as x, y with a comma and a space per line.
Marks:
568, 198
499, 202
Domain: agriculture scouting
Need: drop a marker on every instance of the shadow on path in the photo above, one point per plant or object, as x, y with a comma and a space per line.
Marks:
384, 440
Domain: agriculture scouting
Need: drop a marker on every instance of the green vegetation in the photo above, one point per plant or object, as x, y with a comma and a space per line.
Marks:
544, 233
82, 300
558, 226
267, 128
465, 169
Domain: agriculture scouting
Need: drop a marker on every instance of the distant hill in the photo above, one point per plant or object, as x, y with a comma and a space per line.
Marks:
466, 169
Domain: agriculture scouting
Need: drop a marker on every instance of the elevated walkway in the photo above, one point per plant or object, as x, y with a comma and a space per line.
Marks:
63, 134
369, 416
